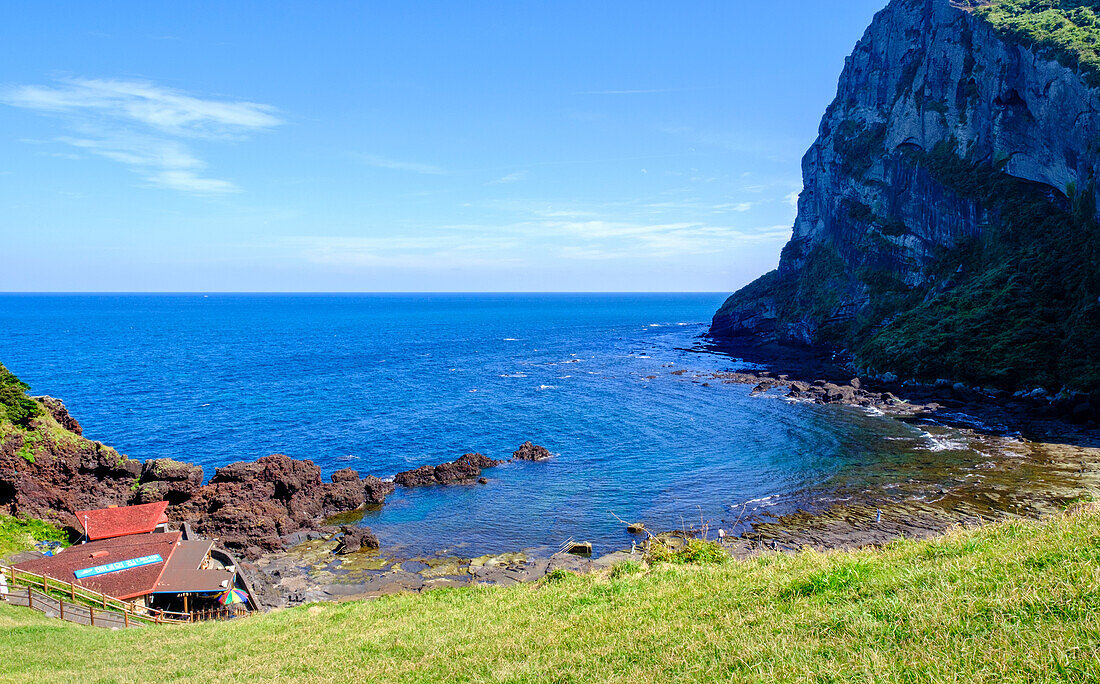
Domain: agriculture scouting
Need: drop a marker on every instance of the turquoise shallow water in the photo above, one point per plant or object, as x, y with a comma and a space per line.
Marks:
383, 383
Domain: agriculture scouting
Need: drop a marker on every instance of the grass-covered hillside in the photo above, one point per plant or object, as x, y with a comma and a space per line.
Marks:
1013, 602
1066, 30
19, 534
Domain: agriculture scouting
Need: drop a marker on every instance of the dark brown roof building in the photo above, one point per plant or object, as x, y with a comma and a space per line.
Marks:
123, 567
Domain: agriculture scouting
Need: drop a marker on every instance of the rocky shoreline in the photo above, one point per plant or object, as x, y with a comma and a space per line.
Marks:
1055, 465
48, 470
300, 542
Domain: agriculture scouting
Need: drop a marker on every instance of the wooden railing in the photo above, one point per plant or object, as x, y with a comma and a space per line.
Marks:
79, 613
222, 613
90, 599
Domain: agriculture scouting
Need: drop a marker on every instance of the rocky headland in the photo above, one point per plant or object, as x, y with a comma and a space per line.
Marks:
947, 228
48, 470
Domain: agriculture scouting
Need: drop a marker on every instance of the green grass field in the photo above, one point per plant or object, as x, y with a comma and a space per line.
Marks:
1013, 602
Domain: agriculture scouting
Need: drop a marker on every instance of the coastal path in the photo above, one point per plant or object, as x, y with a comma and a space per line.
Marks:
68, 601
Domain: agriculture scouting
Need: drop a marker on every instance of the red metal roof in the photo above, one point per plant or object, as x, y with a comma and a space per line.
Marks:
105, 523
122, 584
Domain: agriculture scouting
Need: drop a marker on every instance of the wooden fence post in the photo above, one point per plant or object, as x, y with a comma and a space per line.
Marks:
72, 591
91, 614
61, 608
126, 619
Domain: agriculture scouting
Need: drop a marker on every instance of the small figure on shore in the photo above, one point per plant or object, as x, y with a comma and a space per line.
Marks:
878, 516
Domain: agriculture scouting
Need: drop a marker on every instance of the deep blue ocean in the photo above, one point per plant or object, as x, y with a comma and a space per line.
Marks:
384, 383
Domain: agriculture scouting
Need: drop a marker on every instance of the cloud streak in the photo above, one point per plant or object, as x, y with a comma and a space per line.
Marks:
516, 244
144, 126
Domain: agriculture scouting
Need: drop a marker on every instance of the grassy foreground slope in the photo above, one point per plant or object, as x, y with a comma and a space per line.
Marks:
1012, 602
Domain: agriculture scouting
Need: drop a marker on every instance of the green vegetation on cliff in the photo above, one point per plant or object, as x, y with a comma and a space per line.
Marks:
1065, 30
1018, 601
1018, 307
15, 405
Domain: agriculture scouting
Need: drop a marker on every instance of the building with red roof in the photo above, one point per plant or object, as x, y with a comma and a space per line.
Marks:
127, 560
105, 523
139, 560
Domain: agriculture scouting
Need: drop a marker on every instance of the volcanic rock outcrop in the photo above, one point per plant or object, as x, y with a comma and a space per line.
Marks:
531, 452
465, 468
47, 471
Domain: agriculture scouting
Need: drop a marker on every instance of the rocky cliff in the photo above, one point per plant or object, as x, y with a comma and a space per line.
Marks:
947, 225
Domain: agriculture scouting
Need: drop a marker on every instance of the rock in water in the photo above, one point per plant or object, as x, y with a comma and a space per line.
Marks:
530, 452
465, 468
355, 538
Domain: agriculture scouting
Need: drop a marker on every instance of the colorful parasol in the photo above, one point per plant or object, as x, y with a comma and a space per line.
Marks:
231, 596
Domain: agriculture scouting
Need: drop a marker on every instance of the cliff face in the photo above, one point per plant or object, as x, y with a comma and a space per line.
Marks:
947, 225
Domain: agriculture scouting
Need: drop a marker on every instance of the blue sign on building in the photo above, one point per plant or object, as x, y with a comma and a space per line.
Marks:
120, 565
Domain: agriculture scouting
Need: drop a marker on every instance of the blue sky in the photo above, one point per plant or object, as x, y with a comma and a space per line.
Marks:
479, 146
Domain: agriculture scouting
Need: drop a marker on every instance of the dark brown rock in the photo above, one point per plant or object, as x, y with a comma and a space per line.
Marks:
346, 475
375, 490
530, 452
463, 469
56, 408
356, 538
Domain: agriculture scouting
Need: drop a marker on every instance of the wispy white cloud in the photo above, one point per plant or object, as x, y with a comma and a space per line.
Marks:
452, 249
529, 243
144, 104
142, 125
412, 167
792, 198
510, 178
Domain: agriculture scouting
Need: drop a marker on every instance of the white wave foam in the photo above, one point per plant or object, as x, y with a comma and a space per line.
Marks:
935, 443
546, 387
